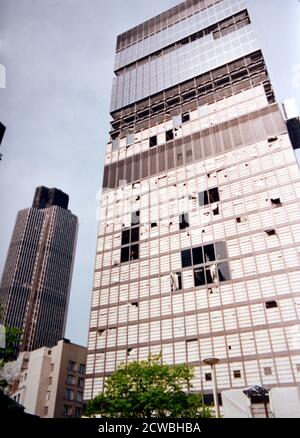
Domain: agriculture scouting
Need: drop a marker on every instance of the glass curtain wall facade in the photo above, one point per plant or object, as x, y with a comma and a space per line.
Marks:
35, 285
199, 238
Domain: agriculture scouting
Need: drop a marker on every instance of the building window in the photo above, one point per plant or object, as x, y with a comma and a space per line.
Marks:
271, 304
276, 202
52, 367
153, 141
47, 397
135, 218
176, 281
115, 144
169, 135
82, 368
209, 196
70, 380
80, 382
77, 412
186, 258
237, 374
50, 380
208, 377
67, 410
213, 257
46, 410
267, 371
184, 221
72, 365
199, 277
79, 397
197, 255
69, 394
130, 249
129, 139
185, 117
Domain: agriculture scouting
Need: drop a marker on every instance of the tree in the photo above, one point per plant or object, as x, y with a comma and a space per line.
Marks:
149, 389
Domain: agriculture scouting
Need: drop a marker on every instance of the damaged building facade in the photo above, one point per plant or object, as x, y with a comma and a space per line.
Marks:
199, 237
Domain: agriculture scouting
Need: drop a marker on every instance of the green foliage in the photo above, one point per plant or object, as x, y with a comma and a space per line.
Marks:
149, 389
12, 336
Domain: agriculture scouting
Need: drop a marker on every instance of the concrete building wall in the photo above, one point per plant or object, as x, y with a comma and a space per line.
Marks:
45, 379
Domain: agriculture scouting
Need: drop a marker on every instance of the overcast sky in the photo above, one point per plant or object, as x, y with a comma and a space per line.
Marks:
59, 56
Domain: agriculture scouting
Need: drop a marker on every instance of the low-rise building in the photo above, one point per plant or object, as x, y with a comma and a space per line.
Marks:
51, 380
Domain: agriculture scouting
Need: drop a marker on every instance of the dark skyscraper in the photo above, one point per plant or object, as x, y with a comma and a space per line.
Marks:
199, 239
36, 281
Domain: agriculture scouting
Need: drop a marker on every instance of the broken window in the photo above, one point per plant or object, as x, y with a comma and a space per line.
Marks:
208, 377
270, 232
216, 211
176, 281
134, 252
125, 254
271, 304
276, 202
199, 277
237, 374
125, 237
214, 195
186, 258
135, 234
241, 219
223, 271
209, 196
185, 117
169, 135
221, 251
210, 274
153, 224
209, 253
135, 218
197, 256
135, 304
153, 141
184, 221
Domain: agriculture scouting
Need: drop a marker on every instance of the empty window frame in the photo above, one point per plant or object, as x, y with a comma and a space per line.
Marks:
237, 374
186, 258
184, 221
185, 117
169, 135
153, 141
213, 258
209, 196
271, 304
276, 202
208, 377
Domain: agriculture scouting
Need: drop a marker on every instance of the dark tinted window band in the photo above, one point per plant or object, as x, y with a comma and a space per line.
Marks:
165, 19
207, 88
251, 128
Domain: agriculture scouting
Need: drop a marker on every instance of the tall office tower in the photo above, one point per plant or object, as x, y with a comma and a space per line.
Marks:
199, 238
36, 280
